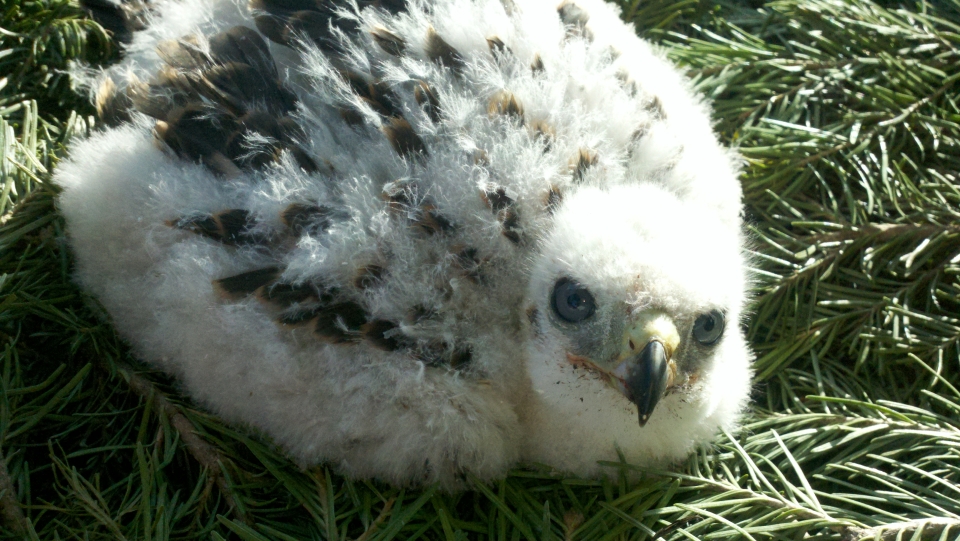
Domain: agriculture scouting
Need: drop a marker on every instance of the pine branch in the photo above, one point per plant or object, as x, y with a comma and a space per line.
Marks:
204, 453
9, 506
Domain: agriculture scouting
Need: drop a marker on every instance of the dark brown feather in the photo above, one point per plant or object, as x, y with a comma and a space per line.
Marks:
442, 52
461, 356
554, 199
376, 332
388, 41
284, 295
298, 318
121, 20
404, 140
497, 198
468, 260
442, 354
419, 313
397, 194
304, 160
305, 218
243, 45
340, 322
510, 219
537, 65
243, 284
196, 132
240, 87
184, 53
430, 221
369, 276
497, 47
113, 106
231, 227
285, 21
427, 99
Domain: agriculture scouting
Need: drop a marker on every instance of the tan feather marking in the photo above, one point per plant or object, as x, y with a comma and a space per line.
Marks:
404, 140
497, 47
245, 283
113, 107
427, 99
388, 41
545, 133
183, 53
480, 157
655, 106
537, 65
584, 160
505, 103
441, 52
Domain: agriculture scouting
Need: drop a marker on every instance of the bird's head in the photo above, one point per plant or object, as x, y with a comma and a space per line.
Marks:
636, 296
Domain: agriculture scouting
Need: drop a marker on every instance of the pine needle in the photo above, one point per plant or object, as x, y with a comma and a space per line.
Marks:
846, 113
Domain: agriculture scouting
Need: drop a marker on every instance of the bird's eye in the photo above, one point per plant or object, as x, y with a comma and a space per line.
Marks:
708, 328
571, 301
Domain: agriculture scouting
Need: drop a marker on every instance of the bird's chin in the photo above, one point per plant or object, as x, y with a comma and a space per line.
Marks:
596, 371
618, 379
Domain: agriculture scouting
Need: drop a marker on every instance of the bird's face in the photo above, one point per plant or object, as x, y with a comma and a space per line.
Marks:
636, 295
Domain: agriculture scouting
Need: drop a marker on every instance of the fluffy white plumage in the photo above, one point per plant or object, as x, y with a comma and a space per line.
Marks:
382, 294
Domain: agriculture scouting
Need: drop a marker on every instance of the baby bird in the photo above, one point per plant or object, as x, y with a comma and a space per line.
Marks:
418, 240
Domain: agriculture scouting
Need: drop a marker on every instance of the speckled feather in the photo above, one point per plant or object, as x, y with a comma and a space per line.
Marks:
335, 223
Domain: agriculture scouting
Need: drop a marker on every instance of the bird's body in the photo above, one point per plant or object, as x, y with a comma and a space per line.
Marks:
419, 240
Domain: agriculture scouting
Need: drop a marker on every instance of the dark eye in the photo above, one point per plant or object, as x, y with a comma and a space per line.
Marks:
571, 301
708, 328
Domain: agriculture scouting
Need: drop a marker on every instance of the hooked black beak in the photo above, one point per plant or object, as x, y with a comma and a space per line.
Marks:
646, 378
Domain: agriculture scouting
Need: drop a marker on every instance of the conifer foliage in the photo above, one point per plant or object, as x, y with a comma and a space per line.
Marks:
848, 117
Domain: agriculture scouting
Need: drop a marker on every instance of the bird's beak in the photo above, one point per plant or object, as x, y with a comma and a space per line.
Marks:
646, 370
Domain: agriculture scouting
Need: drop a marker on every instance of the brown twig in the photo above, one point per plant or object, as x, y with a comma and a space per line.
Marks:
9, 506
203, 452
384, 513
